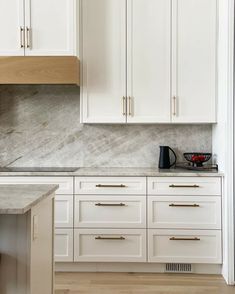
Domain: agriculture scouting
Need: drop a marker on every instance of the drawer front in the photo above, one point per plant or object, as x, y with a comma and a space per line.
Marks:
184, 212
65, 183
63, 245
110, 185
110, 211
184, 186
64, 211
185, 246
106, 245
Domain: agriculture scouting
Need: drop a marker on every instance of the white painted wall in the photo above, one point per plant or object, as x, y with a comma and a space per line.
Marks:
223, 131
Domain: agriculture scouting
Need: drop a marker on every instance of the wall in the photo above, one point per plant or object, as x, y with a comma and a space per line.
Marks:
39, 126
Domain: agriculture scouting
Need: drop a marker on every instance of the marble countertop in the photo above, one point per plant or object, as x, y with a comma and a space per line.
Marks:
18, 199
108, 171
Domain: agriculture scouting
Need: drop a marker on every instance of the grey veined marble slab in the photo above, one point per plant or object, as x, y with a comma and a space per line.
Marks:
18, 199
39, 126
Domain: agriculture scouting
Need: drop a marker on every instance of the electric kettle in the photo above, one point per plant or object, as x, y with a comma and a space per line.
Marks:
164, 158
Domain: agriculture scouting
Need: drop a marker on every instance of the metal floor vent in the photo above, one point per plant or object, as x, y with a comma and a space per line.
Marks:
178, 268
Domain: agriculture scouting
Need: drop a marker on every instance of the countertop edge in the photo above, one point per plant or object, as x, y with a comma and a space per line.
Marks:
21, 211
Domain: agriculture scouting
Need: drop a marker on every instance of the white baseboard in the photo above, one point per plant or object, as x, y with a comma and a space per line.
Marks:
214, 269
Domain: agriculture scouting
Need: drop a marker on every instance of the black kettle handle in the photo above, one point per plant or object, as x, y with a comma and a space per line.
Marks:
175, 157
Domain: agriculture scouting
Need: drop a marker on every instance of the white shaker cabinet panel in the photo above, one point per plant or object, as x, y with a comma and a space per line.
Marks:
50, 27
12, 27
64, 211
110, 245
103, 55
64, 245
185, 246
110, 185
184, 212
110, 211
194, 61
149, 61
187, 186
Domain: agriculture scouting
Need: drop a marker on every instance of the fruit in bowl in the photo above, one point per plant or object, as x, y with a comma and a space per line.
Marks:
197, 159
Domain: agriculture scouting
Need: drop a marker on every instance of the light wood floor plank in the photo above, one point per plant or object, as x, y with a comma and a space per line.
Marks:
129, 283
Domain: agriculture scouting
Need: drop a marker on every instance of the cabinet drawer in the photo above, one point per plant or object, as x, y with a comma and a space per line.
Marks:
106, 245
110, 185
65, 183
110, 211
184, 212
64, 211
185, 246
63, 245
184, 186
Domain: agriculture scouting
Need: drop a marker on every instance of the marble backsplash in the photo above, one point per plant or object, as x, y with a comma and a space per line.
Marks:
39, 126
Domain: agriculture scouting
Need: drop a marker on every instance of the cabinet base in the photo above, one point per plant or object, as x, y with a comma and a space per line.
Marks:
132, 267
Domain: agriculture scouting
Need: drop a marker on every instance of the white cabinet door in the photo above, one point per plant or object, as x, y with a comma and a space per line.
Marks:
110, 245
11, 22
103, 61
110, 185
149, 61
185, 246
64, 245
51, 26
64, 211
184, 212
194, 61
110, 211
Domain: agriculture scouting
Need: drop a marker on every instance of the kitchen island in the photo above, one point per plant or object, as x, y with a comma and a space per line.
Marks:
26, 239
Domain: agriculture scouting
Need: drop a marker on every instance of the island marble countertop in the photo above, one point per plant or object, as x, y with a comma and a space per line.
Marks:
107, 171
18, 199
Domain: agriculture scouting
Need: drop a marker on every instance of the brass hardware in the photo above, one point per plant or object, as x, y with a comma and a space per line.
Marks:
184, 205
110, 204
110, 186
109, 238
184, 239
22, 37
174, 105
124, 105
130, 106
28, 39
184, 186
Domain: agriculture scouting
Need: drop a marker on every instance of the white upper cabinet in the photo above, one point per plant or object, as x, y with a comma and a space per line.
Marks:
148, 62
103, 53
38, 27
50, 27
11, 27
194, 61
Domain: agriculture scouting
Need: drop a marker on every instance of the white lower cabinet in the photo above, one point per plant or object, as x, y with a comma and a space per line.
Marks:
64, 211
181, 212
110, 211
185, 246
110, 245
63, 245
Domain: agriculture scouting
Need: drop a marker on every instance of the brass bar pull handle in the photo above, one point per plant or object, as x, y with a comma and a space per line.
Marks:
174, 105
124, 105
184, 186
110, 186
130, 106
22, 38
184, 239
110, 238
184, 205
28, 37
110, 204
